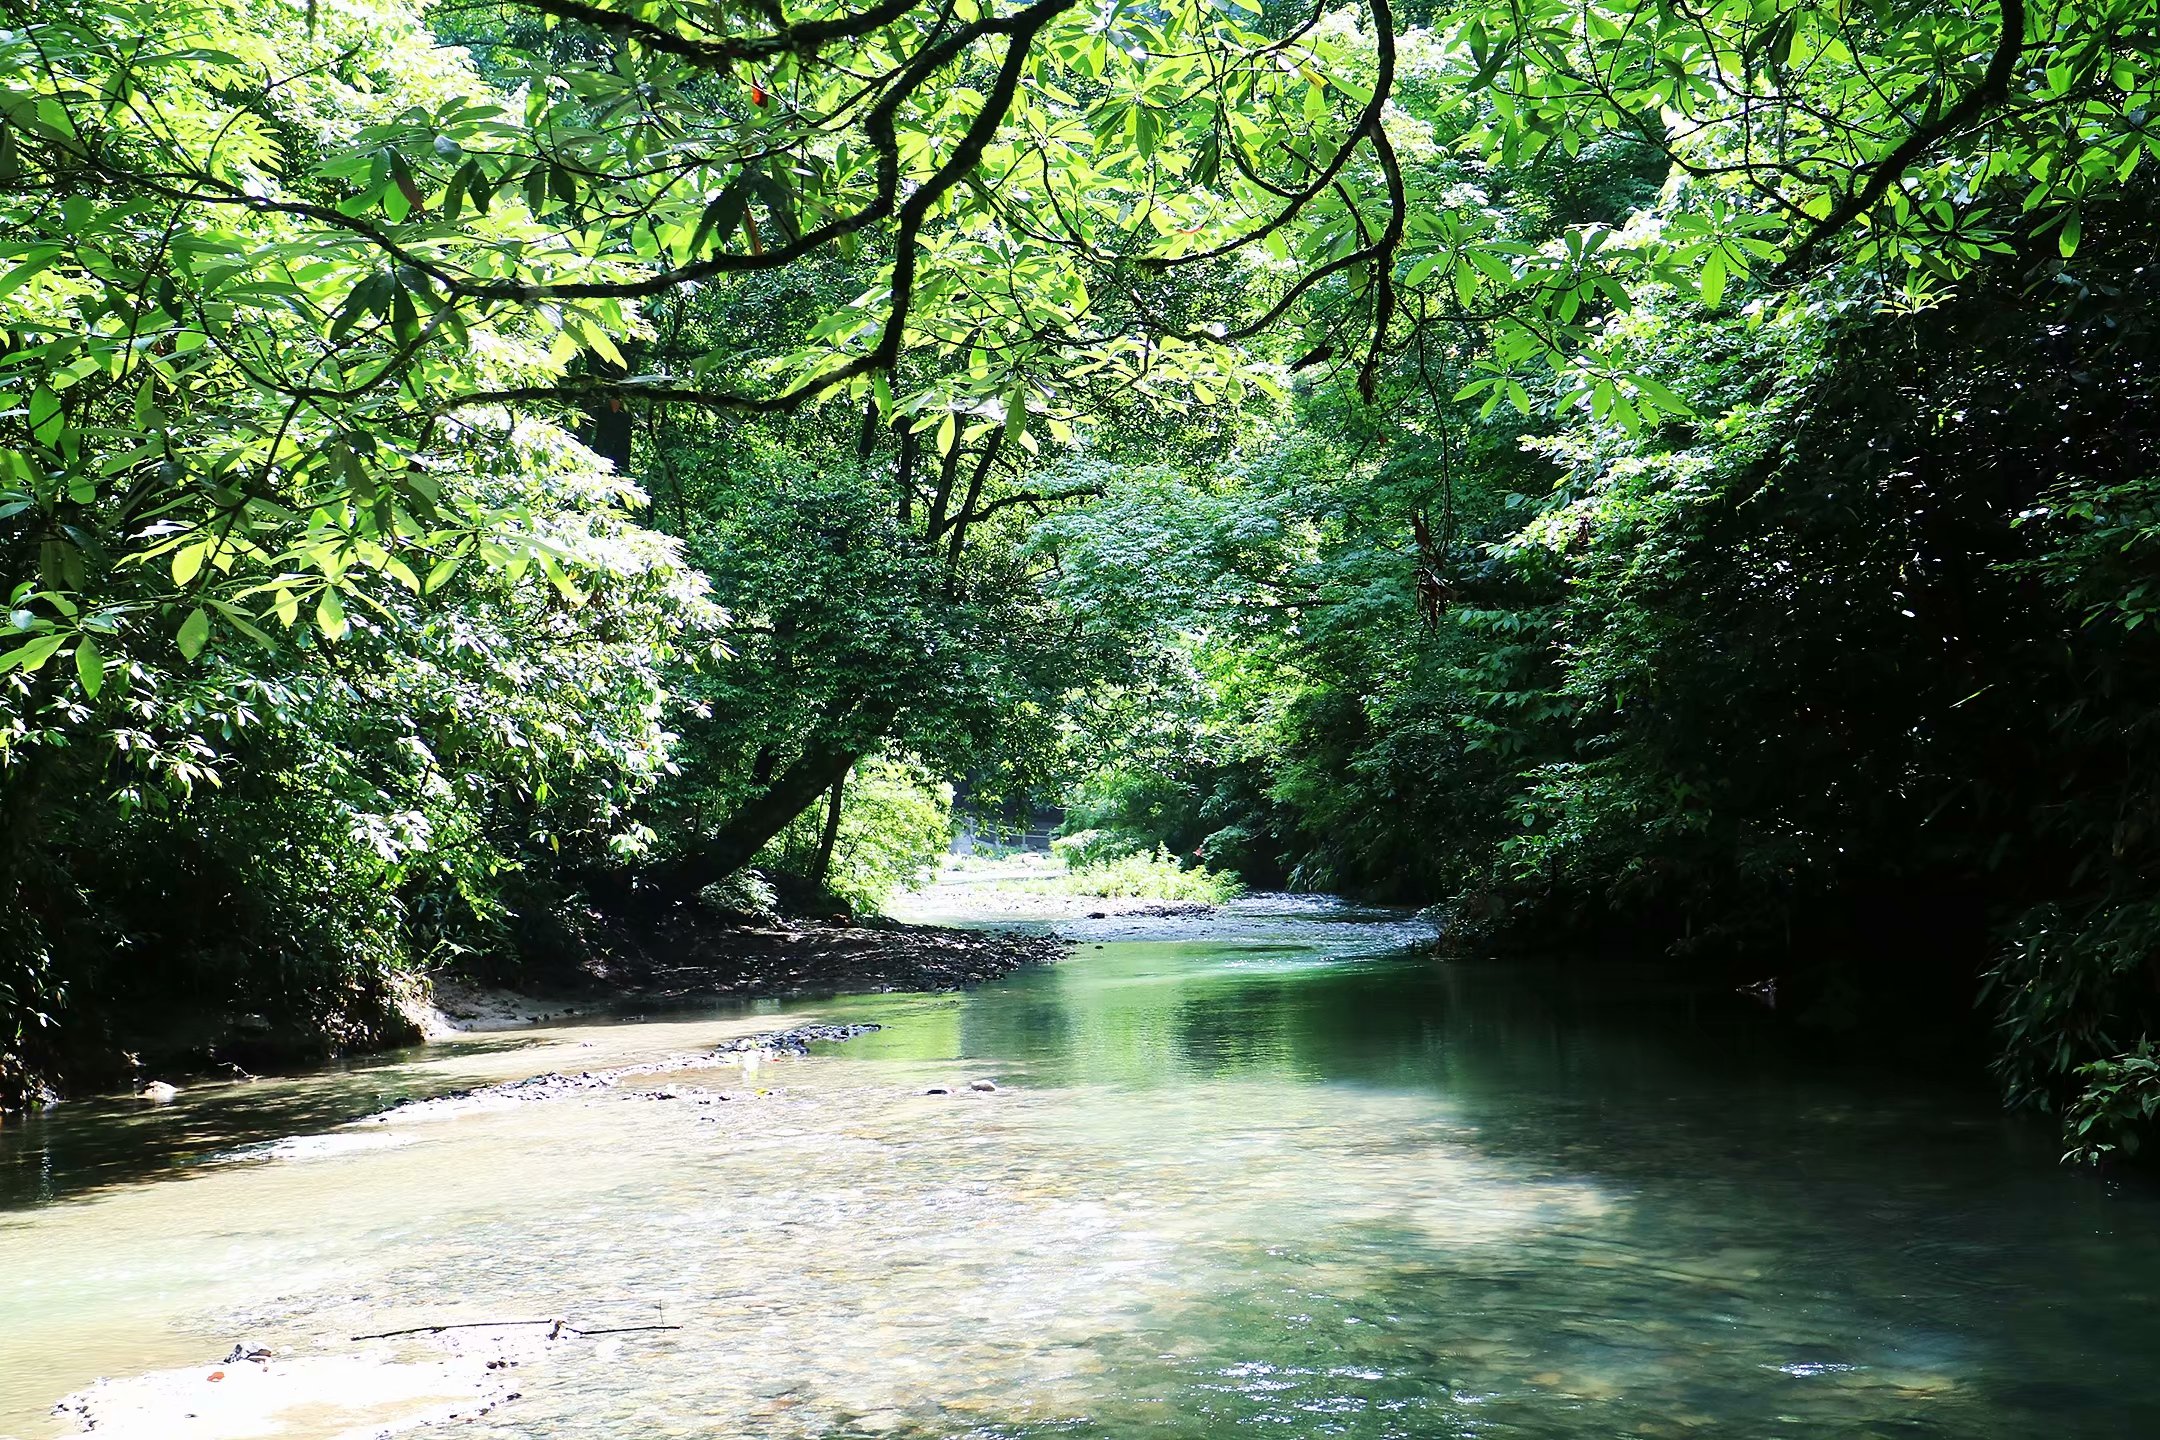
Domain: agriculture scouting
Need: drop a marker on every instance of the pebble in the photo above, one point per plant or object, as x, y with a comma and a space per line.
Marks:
161, 1092
985, 1086
937, 1090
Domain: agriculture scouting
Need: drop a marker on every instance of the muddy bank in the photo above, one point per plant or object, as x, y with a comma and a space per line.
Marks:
677, 957
694, 955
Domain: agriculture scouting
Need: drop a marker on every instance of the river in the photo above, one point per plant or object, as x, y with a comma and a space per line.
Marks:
1262, 1174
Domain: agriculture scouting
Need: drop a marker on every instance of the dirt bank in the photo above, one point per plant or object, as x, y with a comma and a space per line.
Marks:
678, 957
695, 955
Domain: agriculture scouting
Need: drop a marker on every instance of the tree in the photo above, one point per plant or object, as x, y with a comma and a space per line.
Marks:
301, 307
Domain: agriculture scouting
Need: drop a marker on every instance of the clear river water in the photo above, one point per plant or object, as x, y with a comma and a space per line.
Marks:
1264, 1174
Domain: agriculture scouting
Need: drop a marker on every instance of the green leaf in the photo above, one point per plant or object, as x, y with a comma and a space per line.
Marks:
1662, 397
89, 666
775, 195
245, 626
593, 337
187, 562
1713, 277
1016, 412
39, 259
454, 194
330, 614
194, 632
46, 418
407, 187
31, 656
720, 218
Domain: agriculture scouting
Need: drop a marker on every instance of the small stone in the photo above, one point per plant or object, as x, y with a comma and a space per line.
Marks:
937, 1090
160, 1092
985, 1086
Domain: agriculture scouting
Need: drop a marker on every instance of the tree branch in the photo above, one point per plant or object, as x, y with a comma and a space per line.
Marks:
1993, 89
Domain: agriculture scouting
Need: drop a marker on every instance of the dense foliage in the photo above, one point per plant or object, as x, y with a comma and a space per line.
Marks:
1612, 469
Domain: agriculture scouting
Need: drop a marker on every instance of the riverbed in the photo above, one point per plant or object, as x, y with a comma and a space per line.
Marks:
1276, 1172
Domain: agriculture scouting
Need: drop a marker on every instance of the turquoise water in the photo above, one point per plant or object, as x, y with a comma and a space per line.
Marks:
1261, 1175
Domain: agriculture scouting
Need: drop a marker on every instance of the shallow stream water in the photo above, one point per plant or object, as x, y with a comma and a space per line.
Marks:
1262, 1174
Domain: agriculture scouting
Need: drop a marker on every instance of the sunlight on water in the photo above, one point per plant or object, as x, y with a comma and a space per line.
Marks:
1239, 1177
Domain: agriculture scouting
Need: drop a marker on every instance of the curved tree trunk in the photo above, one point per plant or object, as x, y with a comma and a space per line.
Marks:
792, 791
821, 863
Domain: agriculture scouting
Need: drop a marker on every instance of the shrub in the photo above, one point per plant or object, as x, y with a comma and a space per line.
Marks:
746, 892
1154, 875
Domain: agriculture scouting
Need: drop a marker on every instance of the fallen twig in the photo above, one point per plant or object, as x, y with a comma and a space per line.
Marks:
461, 1325
561, 1328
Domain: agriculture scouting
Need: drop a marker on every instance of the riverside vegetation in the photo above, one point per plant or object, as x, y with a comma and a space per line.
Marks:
1674, 477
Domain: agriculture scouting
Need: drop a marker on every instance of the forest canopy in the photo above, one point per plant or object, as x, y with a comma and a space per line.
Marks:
471, 473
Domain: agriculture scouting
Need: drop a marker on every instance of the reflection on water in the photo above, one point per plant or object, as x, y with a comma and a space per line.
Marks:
1252, 1175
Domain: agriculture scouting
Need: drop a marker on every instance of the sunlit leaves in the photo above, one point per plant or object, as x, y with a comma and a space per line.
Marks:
245, 377
194, 633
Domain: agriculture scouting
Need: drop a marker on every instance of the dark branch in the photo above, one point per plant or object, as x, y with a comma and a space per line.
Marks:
784, 40
1993, 89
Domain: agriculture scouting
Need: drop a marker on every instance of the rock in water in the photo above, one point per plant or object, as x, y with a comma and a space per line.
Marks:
159, 1091
937, 1090
986, 1086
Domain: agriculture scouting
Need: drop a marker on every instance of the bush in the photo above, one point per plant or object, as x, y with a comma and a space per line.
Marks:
746, 892
1093, 847
2118, 1104
1154, 875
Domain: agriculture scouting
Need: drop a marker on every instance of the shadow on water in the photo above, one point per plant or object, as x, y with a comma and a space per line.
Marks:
1264, 1176
90, 1145
1838, 1239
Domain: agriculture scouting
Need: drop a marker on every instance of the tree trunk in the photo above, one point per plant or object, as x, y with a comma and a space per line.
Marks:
794, 790
608, 420
821, 863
